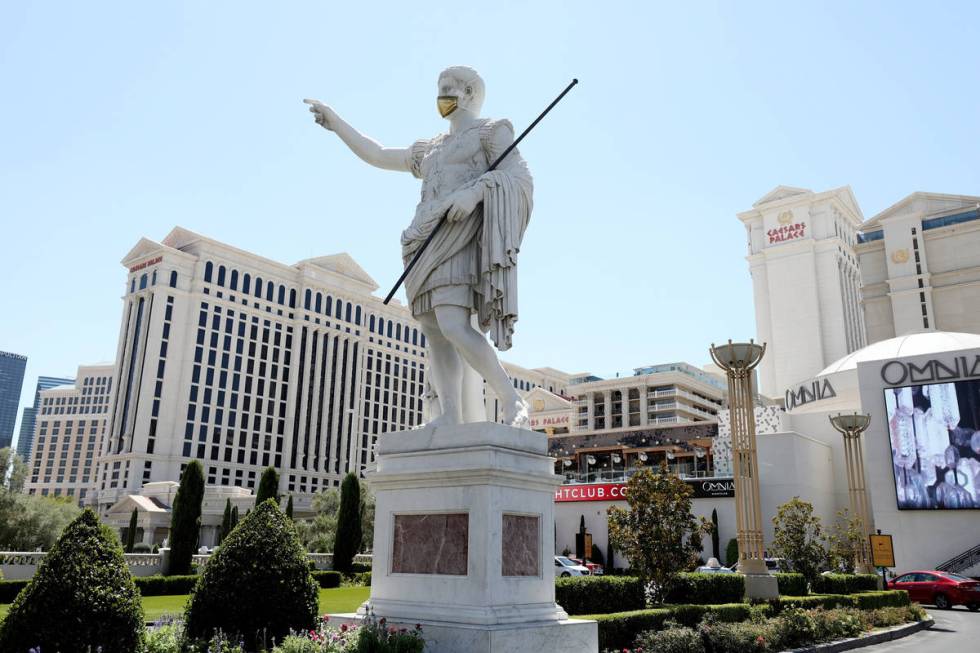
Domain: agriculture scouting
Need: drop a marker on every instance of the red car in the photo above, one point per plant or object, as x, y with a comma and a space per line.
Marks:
594, 568
939, 588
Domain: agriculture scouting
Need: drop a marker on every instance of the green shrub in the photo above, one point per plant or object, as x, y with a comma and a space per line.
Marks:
82, 596
165, 585
164, 639
672, 640
839, 624
791, 584
9, 589
349, 531
731, 552
185, 519
264, 556
796, 627
884, 617
327, 579
881, 599
364, 578
707, 588
845, 583
739, 637
268, 487
617, 631
599, 594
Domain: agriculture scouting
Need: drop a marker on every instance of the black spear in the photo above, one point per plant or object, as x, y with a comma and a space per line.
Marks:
493, 166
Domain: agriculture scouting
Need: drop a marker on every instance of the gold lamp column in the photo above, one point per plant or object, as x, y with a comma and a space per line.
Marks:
851, 427
739, 359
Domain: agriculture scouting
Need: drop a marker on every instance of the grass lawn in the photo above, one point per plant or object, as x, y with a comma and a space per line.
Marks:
340, 599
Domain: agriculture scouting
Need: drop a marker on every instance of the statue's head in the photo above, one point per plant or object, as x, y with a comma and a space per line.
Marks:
460, 87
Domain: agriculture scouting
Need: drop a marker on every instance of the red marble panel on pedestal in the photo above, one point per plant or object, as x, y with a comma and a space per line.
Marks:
520, 549
431, 544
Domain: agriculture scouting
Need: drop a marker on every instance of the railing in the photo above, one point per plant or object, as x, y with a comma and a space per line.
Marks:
623, 475
19, 565
961, 562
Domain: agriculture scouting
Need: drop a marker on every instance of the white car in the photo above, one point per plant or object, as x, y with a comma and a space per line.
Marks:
565, 568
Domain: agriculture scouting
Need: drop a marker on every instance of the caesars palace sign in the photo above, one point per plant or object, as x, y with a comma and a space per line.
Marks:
703, 489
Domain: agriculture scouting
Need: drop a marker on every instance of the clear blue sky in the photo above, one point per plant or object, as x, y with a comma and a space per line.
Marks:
122, 119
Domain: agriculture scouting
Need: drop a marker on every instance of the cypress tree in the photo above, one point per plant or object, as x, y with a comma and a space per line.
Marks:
131, 533
349, 531
225, 522
234, 518
185, 520
715, 535
268, 486
289, 507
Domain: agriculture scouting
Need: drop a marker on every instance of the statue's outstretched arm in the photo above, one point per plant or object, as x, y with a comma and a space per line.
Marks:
369, 150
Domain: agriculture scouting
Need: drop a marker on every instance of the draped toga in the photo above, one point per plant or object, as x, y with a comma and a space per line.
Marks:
472, 262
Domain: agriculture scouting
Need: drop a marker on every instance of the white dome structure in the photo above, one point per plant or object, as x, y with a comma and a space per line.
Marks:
913, 344
835, 388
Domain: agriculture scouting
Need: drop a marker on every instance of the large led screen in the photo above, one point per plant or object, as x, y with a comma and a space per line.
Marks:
934, 432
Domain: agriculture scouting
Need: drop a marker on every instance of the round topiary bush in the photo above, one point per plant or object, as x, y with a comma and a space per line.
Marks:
258, 586
82, 597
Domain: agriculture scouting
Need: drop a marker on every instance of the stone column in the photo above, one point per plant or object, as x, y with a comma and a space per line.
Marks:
607, 401
644, 405
851, 427
739, 360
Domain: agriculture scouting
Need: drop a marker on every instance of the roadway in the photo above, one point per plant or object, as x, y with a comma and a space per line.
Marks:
955, 630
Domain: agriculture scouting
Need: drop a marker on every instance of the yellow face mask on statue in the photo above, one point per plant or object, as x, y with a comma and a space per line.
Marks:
447, 104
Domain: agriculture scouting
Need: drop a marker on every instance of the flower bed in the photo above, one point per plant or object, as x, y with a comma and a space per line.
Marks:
793, 628
618, 630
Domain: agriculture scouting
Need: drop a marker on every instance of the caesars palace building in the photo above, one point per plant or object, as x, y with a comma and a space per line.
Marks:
242, 363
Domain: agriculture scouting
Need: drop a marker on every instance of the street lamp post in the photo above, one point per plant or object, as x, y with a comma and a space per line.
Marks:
739, 359
851, 427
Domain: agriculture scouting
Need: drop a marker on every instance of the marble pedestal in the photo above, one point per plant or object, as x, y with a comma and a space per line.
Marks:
464, 541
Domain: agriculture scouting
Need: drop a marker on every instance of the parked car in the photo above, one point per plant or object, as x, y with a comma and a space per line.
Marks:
564, 567
594, 567
939, 588
714, 567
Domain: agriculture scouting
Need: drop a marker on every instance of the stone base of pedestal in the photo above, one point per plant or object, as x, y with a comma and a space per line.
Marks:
565, 636
761, 586
464, 537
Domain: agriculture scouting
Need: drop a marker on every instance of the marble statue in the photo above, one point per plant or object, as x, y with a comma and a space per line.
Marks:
465, 283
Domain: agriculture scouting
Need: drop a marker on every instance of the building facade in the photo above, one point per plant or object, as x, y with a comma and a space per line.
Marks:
920, 263
242, 363
69, 429
805, 280
28, 418
11, 383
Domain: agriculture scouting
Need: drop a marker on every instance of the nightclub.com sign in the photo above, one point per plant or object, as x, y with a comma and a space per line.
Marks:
702, 489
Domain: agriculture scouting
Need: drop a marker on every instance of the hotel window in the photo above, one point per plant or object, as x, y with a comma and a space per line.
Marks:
221, 275
246, 282
173, 278
208, 271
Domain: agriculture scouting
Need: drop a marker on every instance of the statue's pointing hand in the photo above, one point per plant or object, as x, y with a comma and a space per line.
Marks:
324, 115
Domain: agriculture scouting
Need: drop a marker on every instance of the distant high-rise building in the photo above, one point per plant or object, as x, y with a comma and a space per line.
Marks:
70, 427
11, 382
29, 417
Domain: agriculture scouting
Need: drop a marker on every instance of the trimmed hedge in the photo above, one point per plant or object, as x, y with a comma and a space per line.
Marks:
257, 586
862, 600
9, 589
790, 584
845, 583
599, 594
81, 598
707, 588
165, 585
327, 579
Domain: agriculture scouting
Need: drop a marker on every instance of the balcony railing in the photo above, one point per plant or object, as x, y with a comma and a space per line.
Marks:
623, 475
